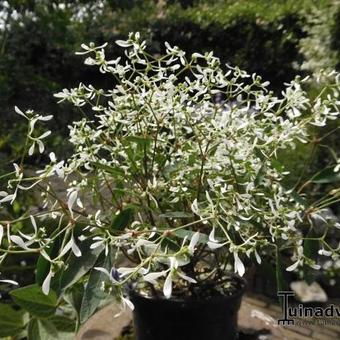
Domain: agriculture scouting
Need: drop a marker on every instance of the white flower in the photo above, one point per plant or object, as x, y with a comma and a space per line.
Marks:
125, 271
71, 200
337, 167
99, 241
75, 249
193, 242
293, 266
167, 288
19, 112
152, 277
8, 198
71, 244
238, 265
325, 252
124, 43
185, 277
31, 149
47, 282
212, 235
213, 243
1, 234
257, 256
34, 224
19, 241
10, 282
113, 275
52, 157
128, 303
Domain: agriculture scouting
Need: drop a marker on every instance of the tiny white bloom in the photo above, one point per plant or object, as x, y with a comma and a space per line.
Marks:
47, 282
10, 282
71, 200
193, 242
19, 112
1, 233
185, 277
152, 277
18, 241
75, 249
238, 265
52, 157
293, 266
258, 258
34, 224
214, 245
167, 288
128, 303
31, 149
324, 252
67, 247
7, 198
212, 235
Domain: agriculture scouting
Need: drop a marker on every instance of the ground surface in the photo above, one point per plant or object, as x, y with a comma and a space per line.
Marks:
257, 313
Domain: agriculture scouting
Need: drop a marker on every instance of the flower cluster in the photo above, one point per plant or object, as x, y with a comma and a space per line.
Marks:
175, 166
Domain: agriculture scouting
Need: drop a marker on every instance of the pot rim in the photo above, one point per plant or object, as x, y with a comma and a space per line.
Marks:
133, 292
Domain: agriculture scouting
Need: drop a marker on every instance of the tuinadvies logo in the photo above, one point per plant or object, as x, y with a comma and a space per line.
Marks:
329, 314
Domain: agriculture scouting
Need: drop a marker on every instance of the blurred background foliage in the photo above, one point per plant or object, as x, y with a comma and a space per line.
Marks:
40, 37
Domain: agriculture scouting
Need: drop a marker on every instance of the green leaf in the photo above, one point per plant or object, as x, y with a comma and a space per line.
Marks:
11, 321
277, 165
93, 295
74, 296
311, 247
260, 174
139, 140
326, 176
63, 323
169, 169
118, 190
310, 250
55, 328
109, 169
42, 269
298, 199
123, 219
176, 214
40, 329
171, 244
79, 266
43, 266
32, 299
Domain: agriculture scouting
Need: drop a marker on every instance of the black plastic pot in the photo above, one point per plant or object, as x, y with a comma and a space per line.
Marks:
209, 319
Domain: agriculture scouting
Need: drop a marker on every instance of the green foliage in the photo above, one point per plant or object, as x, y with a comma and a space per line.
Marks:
11, 321
326, 175
93, 296
32, 299
78, 266
55, 328
122, 220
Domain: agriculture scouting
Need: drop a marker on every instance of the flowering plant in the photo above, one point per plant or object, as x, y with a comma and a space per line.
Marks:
174, 167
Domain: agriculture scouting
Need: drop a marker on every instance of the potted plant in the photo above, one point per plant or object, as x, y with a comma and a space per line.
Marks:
175, 169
